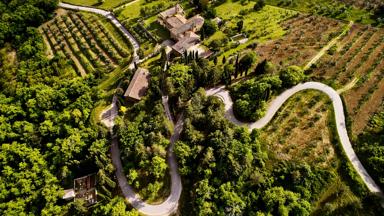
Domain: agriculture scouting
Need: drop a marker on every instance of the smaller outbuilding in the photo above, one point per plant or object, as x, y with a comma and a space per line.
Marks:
83, 188
138, 86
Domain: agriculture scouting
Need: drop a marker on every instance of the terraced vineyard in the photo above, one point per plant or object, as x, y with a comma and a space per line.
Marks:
84, 40
305, 36
358, 61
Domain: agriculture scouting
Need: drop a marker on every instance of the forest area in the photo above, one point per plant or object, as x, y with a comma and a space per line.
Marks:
46, 136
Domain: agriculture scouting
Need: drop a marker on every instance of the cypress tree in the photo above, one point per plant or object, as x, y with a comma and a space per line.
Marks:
237, 66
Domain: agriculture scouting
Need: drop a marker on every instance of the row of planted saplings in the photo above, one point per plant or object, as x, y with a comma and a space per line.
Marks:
95, 36
79, 48
103, 33
345, 63
138, 33
88, 45
374, 68
58, 44
370, 54
372, 89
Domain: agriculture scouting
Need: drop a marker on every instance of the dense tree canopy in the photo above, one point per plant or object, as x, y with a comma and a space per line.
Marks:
47, 136
143, 139
17, 16
224, 172
250, 97
292, 75
371, 147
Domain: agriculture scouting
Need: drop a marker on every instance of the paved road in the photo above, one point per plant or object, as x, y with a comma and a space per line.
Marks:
108, 116
223, 94
114, 21
170, 205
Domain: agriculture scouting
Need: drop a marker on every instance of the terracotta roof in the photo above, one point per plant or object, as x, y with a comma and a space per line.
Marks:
194, 22
176, 21
185, 43
138, 85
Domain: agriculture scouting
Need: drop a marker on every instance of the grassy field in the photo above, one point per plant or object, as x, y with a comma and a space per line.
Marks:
333, 9
300, 132
259, 26
107, 4
152, 8
132, 11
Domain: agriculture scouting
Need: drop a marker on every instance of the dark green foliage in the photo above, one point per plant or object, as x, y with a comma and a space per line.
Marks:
250, 97
144, 138
291, 76
246, 62
261, 67
370, 148
211, 154
281, 202
17, 16
302, 178
180, 81
239, 26
259, 5
46, 136
24, 170
209, 27
223, 168
184, 79
378, 14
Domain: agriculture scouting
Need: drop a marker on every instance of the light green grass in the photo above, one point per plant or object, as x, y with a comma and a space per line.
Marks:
151, 61
260, 26
231, 8
350, 14
107, 4
132, 11
218, 35
96, 112
112, 78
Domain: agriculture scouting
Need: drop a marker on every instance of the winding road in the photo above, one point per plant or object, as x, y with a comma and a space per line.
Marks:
170, 205
275, 105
